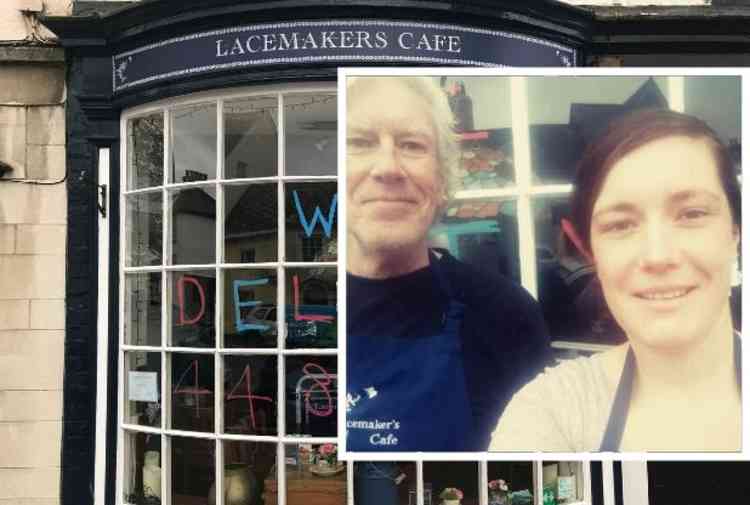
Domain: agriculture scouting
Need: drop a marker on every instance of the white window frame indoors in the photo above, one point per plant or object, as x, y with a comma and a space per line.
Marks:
165, 107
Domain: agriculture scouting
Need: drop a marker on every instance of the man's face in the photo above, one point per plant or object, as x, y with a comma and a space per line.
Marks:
394, 186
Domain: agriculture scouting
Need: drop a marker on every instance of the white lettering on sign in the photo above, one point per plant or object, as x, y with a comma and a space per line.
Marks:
340, 39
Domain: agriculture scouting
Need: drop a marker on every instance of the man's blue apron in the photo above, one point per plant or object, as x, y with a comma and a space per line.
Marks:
409, 394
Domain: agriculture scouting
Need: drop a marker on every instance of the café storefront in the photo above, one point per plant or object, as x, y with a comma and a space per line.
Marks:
201, 355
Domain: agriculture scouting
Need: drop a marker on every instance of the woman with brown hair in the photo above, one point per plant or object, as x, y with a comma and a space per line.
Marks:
656, 209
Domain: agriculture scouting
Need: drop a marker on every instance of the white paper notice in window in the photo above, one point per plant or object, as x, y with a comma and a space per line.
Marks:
142, 387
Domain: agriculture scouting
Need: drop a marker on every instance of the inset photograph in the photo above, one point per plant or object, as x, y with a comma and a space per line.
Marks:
542, 262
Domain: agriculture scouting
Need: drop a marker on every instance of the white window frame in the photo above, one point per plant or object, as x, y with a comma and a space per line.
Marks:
165, 107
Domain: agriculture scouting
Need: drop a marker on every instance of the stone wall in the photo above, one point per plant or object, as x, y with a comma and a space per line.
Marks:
33, 228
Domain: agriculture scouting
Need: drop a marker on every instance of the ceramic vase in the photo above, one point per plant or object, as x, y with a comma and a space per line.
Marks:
151, 474
238, 486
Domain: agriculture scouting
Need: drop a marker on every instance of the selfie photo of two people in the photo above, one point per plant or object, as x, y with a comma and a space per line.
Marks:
542, 263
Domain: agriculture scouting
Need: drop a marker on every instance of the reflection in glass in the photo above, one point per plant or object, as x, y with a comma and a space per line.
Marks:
143, 229
481, 233
250, 138
193, 225
567, 113
569, 293
193, 300
311, 210
146, 151
247, 467
384, 483
250, 316
193, 144
250, 395
192, 392
143, 388
313, 475
563, 480
193, 470
251, 228
311, 307
310, 130
143, 472
517, 484
143, 309
311, 392
461, 475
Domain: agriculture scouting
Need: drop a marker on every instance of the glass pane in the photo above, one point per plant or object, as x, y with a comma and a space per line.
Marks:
142, 309
310, 130
483, 233
251, 227
697, 481
143, 388
193, 144
385, 483
311, 307
566, 113
250, 319
193, 471
509, 483
313, 475
146, 151
443, 478
311, 233
481, 106
311, 392
142, 478
193, 225
250, 395
569, 292
143, 229
563, 482
192, 392
193, 301
716, 100
247, 466
251, 138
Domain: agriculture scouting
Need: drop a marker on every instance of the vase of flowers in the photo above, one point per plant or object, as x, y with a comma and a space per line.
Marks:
327, 456
499, 492
451, 496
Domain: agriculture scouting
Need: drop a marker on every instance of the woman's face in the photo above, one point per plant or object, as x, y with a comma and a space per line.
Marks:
664, 242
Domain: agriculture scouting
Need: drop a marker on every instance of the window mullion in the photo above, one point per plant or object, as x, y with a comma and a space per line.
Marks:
676, 87
482, 477
522, 158
420, 483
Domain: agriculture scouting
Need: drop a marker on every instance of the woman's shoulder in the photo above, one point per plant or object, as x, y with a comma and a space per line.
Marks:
562, 409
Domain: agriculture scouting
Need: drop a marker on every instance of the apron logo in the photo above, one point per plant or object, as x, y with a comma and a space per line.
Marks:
352, 400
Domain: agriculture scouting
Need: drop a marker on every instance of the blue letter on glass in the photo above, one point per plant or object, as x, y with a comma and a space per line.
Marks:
241, 326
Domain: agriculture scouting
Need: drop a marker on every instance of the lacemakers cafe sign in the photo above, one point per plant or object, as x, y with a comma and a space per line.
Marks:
339, 42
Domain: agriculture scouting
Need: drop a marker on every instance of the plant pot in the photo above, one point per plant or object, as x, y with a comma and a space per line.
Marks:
238, 486
452, 502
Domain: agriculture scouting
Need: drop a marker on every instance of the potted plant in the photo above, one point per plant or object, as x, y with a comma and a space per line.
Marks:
327, 455
499, 492
451, 496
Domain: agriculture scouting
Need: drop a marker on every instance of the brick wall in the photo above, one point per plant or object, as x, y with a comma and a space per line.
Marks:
32, 272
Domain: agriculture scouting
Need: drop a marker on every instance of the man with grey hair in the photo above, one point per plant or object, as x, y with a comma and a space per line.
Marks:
435, 348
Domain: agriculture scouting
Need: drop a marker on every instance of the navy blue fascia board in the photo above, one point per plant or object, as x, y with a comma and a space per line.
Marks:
150, 21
